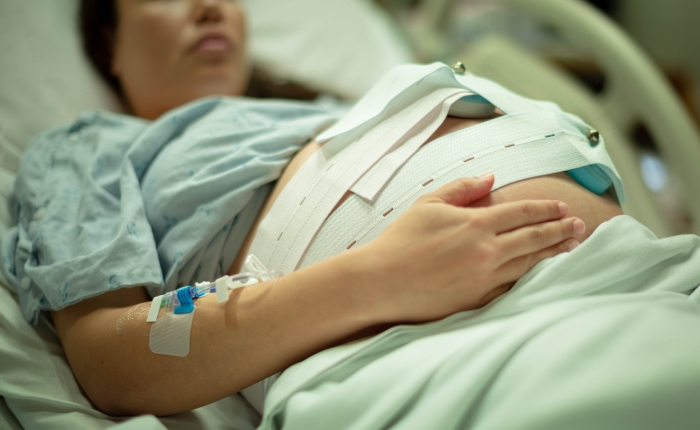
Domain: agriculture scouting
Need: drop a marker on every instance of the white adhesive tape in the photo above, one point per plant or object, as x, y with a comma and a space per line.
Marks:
155, 307
170, 335
222, 289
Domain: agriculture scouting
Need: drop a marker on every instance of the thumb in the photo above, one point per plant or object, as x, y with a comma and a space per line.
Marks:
463, 191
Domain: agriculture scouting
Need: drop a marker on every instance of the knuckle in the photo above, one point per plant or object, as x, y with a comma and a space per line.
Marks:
487, 252
423, 198
563, 247
528, 209
530, 262
538, 236
542, 255
463, 185
478, 222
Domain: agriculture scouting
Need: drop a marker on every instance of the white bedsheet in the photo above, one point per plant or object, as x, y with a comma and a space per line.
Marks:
40, 389
604, 337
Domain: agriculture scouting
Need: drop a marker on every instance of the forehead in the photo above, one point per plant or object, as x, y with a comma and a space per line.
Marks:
125, 8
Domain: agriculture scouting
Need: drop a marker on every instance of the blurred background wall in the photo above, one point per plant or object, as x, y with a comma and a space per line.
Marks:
666, 30
670, 32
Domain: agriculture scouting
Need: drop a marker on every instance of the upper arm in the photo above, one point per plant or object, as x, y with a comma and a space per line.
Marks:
65, 320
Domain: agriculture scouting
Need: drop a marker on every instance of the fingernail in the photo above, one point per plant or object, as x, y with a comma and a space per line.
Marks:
563, 209
486, 176
573, 245
579, 227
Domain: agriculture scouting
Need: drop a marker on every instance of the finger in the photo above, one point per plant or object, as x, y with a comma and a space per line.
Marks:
463, 191
508, 216
517, 267
527, 240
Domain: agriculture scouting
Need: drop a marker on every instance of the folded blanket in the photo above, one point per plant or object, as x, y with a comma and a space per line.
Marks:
602, 337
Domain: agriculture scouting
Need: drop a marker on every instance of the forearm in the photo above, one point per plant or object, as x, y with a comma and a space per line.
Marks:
261, 330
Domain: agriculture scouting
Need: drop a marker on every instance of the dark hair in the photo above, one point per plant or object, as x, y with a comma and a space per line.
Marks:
98, 26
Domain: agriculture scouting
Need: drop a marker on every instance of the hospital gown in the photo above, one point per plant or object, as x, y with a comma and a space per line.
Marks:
114, 201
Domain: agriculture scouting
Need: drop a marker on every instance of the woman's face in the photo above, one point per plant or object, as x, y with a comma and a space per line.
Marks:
170, 52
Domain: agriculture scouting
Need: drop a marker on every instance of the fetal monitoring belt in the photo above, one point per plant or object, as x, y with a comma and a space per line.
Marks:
376, 153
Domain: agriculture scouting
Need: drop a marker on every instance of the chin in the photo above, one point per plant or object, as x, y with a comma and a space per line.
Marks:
219, 81
217, 87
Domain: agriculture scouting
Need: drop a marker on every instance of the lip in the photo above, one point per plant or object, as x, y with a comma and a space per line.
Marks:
212, 44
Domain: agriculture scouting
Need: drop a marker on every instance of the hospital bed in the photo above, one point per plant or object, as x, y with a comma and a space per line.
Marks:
46, 82
635, 92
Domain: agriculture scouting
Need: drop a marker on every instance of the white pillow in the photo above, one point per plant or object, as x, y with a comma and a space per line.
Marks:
46, 80
333, 45
339, 46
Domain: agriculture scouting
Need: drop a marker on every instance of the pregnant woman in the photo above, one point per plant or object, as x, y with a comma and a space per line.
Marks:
116, 209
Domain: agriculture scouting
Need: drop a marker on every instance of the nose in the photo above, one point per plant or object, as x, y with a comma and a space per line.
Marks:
207, 11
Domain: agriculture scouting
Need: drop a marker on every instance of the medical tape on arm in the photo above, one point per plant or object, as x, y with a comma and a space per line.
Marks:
167, 319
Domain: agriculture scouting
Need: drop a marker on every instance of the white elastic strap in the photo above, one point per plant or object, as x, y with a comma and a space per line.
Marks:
401, 85
506, 101
358, 221
376, 178
342, 174
314, 191
372, 104
286, 204
155, 307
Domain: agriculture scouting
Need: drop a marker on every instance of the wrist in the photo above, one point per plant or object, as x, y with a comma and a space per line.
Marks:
364, 277
348, 284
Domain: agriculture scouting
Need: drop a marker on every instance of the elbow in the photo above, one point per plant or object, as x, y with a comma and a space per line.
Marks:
112, 408
117, 397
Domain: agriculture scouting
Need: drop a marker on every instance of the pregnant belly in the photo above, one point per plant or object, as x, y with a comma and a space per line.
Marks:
583, 204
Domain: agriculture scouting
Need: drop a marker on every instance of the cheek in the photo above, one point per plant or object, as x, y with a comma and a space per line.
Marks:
149, 35
237, 18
